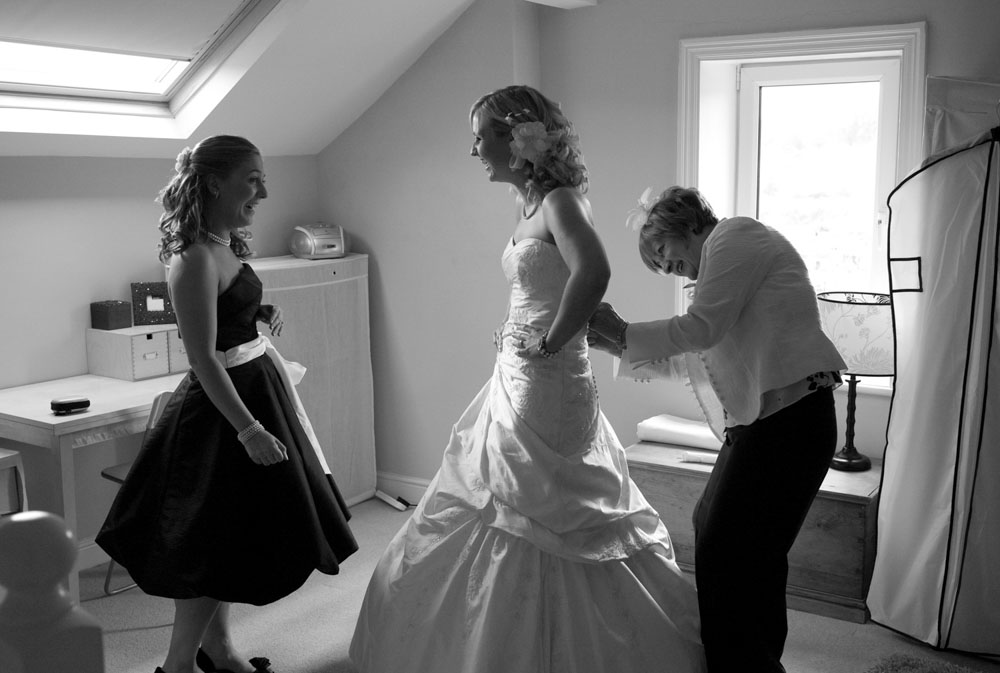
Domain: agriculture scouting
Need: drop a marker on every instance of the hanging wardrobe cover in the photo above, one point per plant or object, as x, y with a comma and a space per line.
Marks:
937, 569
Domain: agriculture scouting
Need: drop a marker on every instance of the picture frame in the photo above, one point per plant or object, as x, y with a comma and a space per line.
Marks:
151, 304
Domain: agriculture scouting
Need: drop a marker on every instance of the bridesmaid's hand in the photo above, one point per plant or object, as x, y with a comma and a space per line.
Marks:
271, 314
265, 449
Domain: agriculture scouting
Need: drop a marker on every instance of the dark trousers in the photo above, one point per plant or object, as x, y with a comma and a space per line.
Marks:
764, 480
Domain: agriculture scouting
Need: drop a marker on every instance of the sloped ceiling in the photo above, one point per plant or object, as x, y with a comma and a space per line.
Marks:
332, 61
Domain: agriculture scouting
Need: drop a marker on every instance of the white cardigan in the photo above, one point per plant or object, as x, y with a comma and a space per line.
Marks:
754, 320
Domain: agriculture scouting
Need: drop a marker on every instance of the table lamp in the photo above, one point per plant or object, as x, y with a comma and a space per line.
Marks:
860, 326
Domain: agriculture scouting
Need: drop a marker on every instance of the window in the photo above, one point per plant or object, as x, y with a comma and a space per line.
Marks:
83, 71
816, 157
808, 132
146, 69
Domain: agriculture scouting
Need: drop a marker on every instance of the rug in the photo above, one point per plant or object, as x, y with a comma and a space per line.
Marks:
904, 663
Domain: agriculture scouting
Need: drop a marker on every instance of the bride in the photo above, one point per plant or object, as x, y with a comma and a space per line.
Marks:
532, 550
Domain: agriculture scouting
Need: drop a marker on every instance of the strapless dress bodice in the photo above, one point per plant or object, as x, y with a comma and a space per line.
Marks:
537, 275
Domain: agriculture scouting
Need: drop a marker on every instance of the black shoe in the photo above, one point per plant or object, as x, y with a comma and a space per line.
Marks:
261, 664
205, 663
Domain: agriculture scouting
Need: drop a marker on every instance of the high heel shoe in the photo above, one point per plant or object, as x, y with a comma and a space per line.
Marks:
205, 663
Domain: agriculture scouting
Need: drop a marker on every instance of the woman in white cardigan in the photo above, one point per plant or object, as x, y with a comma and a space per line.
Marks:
754, 323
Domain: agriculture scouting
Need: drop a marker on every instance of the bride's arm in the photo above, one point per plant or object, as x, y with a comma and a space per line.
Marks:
567, 217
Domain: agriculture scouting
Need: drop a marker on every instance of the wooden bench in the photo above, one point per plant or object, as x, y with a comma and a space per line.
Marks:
830, 564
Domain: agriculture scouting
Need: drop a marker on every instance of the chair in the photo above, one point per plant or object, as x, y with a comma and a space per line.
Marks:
117, 474
12, 491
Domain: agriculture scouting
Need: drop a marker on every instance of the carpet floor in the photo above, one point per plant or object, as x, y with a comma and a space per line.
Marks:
310, 630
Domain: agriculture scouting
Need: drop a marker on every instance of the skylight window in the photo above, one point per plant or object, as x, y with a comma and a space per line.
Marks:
38, 66
129, 68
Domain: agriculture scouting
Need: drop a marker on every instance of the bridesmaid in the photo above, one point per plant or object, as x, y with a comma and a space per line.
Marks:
230, 499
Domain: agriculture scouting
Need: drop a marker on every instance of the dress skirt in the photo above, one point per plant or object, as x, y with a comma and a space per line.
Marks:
196, 517
524, 556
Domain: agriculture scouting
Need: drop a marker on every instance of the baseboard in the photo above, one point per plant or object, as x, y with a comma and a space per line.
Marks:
360, 497
409, 489
89, 554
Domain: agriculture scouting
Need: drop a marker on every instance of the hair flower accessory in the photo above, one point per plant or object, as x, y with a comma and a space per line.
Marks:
530, 142
183, 160
640, 214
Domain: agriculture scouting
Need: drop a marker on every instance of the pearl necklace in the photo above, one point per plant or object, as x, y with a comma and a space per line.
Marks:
218, 239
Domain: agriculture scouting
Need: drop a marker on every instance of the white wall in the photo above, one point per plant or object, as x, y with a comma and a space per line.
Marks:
401, 180
79, 230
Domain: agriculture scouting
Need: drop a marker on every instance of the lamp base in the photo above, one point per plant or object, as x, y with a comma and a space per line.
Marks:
849, 460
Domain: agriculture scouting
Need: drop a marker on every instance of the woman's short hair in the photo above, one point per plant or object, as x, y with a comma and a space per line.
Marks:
184, 197
678, 214
563, 165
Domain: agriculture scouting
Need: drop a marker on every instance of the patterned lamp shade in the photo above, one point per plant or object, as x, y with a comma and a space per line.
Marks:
860, 326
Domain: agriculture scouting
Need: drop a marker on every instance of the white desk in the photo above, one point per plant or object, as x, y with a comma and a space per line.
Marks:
47, 442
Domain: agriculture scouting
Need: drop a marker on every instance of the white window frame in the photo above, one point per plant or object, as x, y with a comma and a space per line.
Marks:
708, 68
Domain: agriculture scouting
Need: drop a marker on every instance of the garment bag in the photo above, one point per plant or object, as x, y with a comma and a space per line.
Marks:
935, 575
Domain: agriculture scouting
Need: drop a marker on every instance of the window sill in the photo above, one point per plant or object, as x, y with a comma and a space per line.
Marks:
874, 389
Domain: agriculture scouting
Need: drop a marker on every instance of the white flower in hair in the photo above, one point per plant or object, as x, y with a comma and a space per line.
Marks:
183, 160
640, 214
530, 141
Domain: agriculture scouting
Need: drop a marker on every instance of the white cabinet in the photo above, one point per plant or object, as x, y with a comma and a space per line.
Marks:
325, 308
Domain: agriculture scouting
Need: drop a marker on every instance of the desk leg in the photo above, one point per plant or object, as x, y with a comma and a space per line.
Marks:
67, 473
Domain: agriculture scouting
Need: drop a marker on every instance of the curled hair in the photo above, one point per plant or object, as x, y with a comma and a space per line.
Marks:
183, 220
678, 214
562, 165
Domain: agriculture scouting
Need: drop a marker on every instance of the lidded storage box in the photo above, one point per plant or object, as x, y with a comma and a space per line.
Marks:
110, 314
132, 353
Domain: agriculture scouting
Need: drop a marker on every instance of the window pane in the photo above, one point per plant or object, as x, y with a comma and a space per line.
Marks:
817, 177
79, 68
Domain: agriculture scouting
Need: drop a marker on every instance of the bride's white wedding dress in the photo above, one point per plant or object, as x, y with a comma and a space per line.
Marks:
532, 550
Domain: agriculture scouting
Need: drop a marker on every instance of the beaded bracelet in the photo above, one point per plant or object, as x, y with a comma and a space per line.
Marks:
249, 431
542, 350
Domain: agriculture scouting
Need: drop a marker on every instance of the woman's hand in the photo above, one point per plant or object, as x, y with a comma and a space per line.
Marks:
608, 324
522, 342
530, 346
265, 449
271, 314
601, 343
498, 336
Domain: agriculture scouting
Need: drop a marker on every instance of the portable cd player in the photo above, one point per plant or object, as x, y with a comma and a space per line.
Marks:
318, 241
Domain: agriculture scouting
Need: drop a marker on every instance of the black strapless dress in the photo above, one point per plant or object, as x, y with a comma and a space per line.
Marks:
196, 517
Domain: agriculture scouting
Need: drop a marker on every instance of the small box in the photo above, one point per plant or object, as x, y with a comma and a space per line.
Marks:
131, 354
110, 314
177, 359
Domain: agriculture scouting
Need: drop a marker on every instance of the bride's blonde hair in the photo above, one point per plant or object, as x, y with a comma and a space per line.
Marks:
561, 164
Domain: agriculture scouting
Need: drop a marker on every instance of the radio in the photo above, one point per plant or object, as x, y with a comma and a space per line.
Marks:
318, 241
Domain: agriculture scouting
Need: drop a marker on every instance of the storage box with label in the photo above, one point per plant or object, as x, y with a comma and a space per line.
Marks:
177, 358
132, 353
